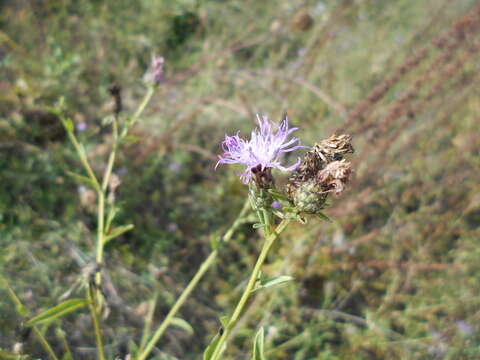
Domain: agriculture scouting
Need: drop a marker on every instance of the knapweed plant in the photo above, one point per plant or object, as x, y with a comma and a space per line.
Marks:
322, 171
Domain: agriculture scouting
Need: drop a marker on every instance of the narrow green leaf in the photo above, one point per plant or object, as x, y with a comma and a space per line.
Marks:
322, 216
214, 242
117, 231
277, 194
182, 324
279, 214
19, 307
224, 321
83, 151
61, 309
301, 219
258, 225
107, 120
207, 355
278, 280
11, 356
258, 348
81, 179
131, 138
68, 124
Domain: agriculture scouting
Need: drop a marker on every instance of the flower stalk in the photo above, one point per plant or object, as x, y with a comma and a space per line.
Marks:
95, 296
269, 241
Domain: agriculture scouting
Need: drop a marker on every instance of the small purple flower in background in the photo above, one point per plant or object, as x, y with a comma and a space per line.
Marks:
464, 327
155, 73
172, 227
277, 205
263, 150
175, 167
81, 126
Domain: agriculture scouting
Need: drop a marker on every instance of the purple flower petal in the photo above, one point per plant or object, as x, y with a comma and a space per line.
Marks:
266, 144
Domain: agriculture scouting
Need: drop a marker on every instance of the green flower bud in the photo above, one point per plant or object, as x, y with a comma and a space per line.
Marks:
309, 197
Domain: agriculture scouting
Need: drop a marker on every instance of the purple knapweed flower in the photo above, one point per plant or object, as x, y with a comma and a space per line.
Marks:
263, 150
155, 73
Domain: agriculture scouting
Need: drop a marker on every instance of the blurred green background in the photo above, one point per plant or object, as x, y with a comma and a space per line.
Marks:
394, 277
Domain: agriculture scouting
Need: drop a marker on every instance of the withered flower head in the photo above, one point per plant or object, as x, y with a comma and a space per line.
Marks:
322, 170
334, 148
334, 176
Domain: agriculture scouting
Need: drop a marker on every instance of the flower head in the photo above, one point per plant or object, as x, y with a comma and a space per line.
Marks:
322, 171
335, 175
155, 73
263, 150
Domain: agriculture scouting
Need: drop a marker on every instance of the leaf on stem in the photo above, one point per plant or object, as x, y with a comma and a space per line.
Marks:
207, 355
131, 139
210, 350
277, 280
224, 321
11, 356
107, 120
258, 348
117, 231
182, 324
322, 216
82, 151
81, 179
60, 310
278, 214
278, 195
68, 124
214, 242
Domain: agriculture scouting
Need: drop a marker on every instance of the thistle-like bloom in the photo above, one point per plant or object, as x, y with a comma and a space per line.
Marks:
267, 143
155, 73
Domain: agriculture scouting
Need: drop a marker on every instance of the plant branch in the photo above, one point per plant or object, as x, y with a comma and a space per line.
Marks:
270, 239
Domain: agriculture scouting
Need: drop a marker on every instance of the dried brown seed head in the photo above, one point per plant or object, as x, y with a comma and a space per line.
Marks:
334, 176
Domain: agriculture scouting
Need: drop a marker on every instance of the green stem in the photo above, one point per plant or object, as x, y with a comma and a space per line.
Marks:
148, 322
191, 285
111, 157
44, 343
96, 298
96, 322
266, 221
250, 286
140, 109
83, 159
100, 236
102, 192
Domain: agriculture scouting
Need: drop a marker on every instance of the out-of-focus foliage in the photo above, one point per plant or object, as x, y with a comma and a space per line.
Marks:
395, 277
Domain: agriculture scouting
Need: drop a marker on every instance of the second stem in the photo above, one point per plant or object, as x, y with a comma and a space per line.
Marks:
271, 237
